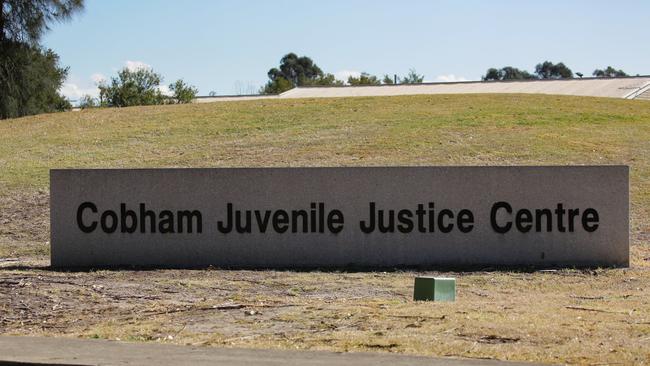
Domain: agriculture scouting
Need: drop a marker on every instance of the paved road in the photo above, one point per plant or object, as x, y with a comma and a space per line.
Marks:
16, 350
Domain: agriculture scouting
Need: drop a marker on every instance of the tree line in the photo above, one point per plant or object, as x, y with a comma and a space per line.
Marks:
295, 71
546, 70
140, 86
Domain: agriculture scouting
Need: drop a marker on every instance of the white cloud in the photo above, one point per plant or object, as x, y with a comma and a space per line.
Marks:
136, 65
164, 89
74, 88
343, 75
450, 78
74, 92
98, 77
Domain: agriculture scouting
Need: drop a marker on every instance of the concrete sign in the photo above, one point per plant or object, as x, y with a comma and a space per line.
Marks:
337, 217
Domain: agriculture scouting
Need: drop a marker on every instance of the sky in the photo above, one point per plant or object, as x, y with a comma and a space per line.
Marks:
227, 47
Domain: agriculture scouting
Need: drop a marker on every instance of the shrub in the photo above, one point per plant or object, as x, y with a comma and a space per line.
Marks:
132, 87
182, 92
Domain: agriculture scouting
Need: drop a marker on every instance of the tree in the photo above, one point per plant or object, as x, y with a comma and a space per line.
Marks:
323, 80
513, 73
492, 74
86, 101
507, 73
30, 78
609, 72
299, 70
132, 87
30, 75
412, 78
182, 93
26, 21
276, 86
549, 70
296, 70
364, 79
387, 80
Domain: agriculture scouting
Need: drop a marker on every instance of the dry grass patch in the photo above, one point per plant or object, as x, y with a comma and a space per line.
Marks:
564, 316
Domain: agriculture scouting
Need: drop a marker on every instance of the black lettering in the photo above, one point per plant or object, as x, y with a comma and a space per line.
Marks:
390, 226
420, 213
524, 220
313, 217
280, 221
321, 217
405, 219
432, 216
144, 213
246, 226
127, 214
166, 224
559, 212
335, 221
543, 212
189, 217
370, 226
295, 214
224, 229
263, 222
465, 221
103, 220
80, 212
590, 216
493, 217
572, 215
445, 228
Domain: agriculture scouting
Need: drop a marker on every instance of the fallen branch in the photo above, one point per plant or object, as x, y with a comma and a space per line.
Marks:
492, 339
9, 282
202, 308
588, 297
595, 310
220, 307
418, 317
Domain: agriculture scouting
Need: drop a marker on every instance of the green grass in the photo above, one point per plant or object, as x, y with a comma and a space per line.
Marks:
406, 130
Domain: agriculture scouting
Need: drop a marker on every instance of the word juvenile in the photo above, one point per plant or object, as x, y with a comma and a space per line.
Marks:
318, 218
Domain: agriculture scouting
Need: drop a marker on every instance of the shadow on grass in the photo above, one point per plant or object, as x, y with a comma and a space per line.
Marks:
344, 269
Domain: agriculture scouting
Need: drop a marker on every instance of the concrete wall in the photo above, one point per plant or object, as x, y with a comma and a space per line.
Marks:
596, 87
591, 87
81, 198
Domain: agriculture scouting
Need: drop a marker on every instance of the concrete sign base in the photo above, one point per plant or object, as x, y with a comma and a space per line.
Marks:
339, 217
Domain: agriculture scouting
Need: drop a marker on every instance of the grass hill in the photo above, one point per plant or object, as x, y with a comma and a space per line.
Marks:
568, 316
407, 130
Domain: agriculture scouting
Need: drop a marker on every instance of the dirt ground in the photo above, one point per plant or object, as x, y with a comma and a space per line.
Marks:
598, 316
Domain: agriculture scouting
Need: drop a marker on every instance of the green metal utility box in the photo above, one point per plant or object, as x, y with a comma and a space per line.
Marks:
434, 289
